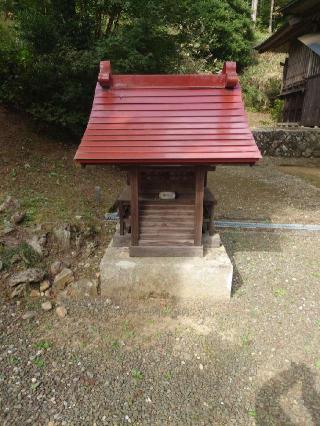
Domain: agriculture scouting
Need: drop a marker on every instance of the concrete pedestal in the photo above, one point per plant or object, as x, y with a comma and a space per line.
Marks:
208, 278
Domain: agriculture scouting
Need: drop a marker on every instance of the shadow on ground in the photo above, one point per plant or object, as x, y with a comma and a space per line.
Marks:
269, 410
248, 241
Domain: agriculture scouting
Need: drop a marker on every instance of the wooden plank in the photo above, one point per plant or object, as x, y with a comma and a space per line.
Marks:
164, 99
166, 251
168, 132
170, 157
164, 144
175, 107
215, 115
156, 92
188, 124
134, 185
168, 139
198, 205
168, 149
172, 80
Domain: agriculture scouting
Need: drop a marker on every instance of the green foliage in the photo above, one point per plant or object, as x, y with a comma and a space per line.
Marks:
277, 109
216, 29
42, 345
24, 252
39, 362
261, 82
136, 374
50, 51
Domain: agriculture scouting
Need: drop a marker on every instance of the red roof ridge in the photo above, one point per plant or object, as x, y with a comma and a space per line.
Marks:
228, 79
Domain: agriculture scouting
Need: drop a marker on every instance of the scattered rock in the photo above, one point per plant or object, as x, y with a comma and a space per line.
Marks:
37, 244
31, 275
29, 315
63, 236
34, 293
83, 288
61, 311
45, 285
17, 217
56, 267
8, 227
64, 278
46, 306
9, 204
48, 293
18, 290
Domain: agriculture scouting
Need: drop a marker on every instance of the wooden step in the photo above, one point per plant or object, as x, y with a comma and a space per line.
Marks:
166, 224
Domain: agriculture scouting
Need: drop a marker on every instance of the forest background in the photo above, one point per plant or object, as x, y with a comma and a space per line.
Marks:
50, 49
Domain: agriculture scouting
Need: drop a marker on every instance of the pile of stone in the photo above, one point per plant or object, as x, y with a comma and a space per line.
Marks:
57, 281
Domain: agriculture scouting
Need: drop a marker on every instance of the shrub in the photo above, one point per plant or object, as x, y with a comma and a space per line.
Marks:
261, 82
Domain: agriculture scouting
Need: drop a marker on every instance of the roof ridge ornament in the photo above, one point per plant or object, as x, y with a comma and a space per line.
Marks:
105, 74
230, 70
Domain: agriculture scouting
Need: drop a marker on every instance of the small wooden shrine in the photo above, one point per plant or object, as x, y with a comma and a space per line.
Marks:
167, 132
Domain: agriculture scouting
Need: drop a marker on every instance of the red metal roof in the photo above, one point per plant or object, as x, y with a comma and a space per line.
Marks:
162, 119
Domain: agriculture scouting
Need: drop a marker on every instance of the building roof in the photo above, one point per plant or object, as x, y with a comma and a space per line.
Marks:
296, 7
167, 119
301, 16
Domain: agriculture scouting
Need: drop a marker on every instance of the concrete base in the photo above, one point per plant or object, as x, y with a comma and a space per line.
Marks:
208, 278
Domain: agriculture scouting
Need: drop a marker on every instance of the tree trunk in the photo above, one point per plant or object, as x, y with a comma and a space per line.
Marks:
254, 8
271, 15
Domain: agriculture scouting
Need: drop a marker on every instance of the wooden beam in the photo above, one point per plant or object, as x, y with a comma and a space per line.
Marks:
198, 208
134, 185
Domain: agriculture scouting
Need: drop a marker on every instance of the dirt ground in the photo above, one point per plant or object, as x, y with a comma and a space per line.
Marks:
255, 360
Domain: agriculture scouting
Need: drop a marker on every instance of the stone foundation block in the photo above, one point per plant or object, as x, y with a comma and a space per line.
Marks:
208, 278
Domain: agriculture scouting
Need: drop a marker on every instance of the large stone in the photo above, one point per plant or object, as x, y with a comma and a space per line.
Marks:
83, 288
62, 235
45, 285
9, 204
206, 279
61, 311
46, 306
64, 278
56, 267
19, 290
31, 275
37, 244
17, 217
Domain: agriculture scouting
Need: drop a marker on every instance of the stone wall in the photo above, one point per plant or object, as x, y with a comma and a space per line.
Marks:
290, 142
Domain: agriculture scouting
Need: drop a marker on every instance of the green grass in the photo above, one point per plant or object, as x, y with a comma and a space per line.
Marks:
279, 292
168, 375
22, 252
14, 360
115, 344
39, 362
245, 340
137, 374
42, 345
252, 413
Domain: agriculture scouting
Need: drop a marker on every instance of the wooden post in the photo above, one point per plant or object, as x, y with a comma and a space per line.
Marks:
198, 208
134, 185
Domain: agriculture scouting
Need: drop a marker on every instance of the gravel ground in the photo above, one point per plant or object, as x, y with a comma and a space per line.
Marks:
255, 360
